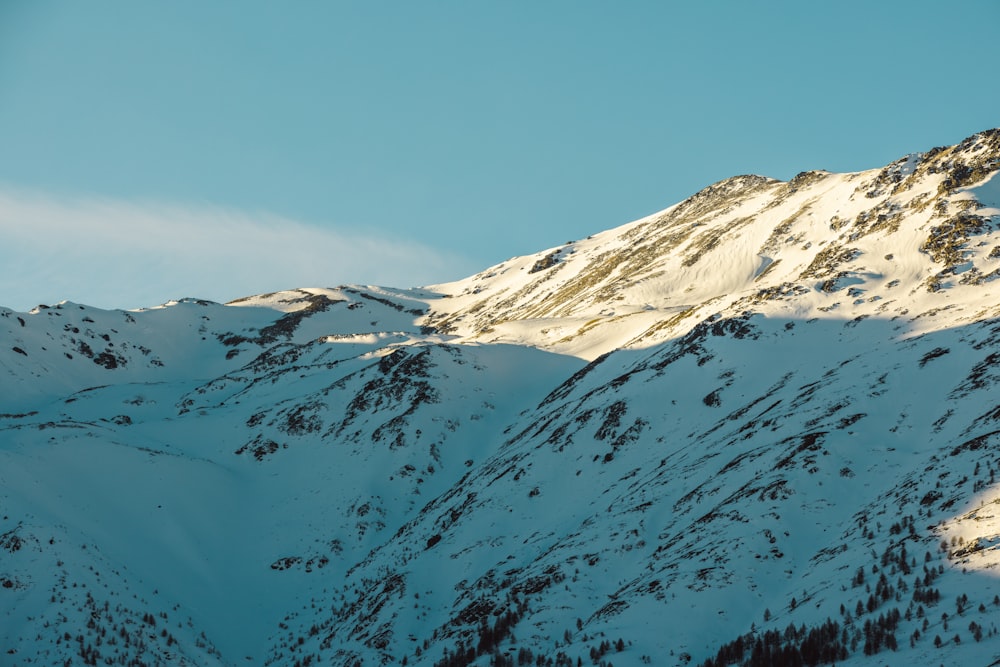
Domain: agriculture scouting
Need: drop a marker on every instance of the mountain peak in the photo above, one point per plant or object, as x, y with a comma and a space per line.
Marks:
738, 239
733, 186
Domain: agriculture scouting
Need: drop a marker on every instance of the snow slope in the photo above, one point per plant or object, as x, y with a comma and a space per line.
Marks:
770, 406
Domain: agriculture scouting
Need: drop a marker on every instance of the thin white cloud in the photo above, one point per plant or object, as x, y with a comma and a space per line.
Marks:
118, 254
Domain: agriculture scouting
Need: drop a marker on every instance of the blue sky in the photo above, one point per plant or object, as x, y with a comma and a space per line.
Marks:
151, 151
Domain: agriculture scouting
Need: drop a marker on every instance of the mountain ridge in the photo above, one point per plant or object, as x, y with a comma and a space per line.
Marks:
722, 412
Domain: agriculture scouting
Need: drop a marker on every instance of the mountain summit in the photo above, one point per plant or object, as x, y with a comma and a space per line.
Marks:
756, 428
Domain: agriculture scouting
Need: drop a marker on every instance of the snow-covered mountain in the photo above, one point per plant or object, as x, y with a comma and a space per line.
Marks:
757, 427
